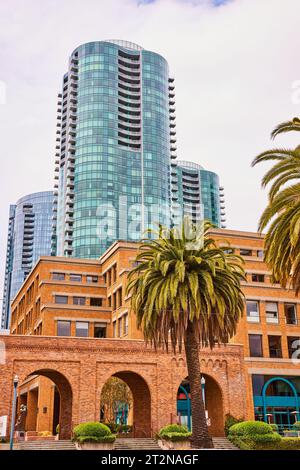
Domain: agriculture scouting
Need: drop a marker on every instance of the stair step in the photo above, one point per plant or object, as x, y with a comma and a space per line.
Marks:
136, 444
223, 443
47, 445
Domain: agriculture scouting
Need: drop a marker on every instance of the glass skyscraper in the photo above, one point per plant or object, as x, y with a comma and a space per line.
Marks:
197, 193
29, 237
115, 141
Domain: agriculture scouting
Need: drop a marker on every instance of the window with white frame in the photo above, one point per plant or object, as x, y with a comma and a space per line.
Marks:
272, 312
252, 311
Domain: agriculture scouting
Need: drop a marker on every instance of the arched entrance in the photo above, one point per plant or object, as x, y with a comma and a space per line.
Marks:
141, 407
47, 396
280, 403
212, 397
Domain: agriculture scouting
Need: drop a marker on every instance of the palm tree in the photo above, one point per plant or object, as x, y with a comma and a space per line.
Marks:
293, 125
185, 289
281, 217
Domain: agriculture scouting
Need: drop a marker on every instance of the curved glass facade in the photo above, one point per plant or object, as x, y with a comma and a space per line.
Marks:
114, 155
196, 192
30, 229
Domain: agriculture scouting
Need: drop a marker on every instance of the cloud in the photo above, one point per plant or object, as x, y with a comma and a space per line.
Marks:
234, 66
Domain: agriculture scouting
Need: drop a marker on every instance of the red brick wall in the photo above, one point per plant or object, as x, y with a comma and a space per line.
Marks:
80, 368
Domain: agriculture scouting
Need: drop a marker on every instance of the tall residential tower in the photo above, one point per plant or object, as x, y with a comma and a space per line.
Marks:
197, 193
29, 237
115, 141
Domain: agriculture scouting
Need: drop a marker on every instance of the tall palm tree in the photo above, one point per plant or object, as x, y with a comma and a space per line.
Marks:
293, 125
185, 289
281, 217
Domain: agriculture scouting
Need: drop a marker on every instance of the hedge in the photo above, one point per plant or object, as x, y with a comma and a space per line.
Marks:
175, 436
296, 426
103, 439
289, 443
93, 432
174, 433
250, 428
257, 435
178, 428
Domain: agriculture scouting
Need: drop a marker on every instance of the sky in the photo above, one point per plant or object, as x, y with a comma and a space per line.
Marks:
236, 72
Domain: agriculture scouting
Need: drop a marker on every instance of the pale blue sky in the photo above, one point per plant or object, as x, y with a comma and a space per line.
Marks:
234, 66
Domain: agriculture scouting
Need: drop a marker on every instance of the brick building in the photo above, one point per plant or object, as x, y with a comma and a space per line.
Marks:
86, 300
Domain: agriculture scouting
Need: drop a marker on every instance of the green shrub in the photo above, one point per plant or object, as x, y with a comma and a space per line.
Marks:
289, 443
93, 432
296, 426
250, 428
274, 427
269, 441
265, 442
103, 439
57, 429
177, 428
175, 436
174, 432
230, 421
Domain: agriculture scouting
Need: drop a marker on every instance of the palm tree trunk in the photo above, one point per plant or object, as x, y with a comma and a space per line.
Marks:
200, 436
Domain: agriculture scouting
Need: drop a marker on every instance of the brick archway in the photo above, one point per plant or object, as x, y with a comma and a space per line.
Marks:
80, 367
213, 403
141, 402
66, 399
214, 406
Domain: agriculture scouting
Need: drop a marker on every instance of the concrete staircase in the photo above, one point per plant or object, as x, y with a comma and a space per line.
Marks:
222, 443
46, 445
136, 444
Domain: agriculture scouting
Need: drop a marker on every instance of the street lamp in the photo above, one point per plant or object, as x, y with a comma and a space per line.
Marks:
203, 389
13, 414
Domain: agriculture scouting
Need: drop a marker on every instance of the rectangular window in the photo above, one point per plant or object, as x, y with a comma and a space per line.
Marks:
290, 314
58, 276
92, 279
75, 277
255, 345
293, 346
271, 312
82, 329
125, 324
79, 300
275, 346
120, 327
114, 329
258, 278
244, 252
260, 253
95, 302
63, 328
100, 330
61, 299
252, 311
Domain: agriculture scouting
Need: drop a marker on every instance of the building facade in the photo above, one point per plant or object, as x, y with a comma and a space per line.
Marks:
270, 334
8, 268
115, 141
56, 300
29, 237
196, 193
